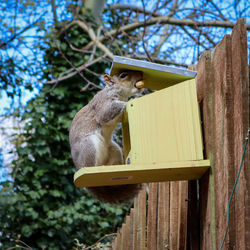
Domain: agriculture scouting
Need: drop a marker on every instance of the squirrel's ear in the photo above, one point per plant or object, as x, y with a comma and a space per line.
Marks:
108, 79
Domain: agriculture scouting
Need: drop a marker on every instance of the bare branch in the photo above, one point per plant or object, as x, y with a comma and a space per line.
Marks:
54, 12
70, 63
130, 7
80, 68
216, 7
164, 20
2, 44
205, 35
144, 31
155, 14
91, 34
158, 60
102, 238
165, 35
193, 38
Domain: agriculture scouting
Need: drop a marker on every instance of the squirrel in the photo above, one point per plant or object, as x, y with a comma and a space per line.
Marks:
91, 132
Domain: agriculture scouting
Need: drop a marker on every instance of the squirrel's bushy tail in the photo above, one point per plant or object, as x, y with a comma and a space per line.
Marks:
116, 194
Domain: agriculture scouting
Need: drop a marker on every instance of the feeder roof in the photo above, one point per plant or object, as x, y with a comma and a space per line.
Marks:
156, 76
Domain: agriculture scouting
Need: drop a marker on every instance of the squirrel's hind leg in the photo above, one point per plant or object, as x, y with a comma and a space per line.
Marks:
115, 156
115, 194
84, 153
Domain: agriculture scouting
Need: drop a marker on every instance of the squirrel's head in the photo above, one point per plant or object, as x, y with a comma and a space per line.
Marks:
126, 80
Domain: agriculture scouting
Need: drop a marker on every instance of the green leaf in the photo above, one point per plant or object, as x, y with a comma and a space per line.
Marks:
26, 231
55, 193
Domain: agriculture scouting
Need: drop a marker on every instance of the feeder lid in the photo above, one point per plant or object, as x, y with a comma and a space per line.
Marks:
156, 76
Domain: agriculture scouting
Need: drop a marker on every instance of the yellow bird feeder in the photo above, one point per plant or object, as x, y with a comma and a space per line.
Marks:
162, 137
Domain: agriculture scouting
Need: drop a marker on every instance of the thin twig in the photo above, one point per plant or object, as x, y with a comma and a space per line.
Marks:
53, 5
164, 20
156, 14
165, 35
22, 31
104, 237
18, 246
193, 38
144, 32
72, 65
220, 13
158, 60
80, 68
91, 34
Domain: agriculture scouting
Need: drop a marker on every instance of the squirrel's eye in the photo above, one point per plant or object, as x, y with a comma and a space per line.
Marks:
123, 75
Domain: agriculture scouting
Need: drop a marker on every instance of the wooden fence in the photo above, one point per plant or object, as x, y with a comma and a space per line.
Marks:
192, 215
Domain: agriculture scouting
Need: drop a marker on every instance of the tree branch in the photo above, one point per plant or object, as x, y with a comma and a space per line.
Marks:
155, 14
194, 38
130, 7
165, 35
220, 13
164, 20
91, 34
205, 35
2, 44
78, 69
158, 60
102, 238
144, 32
53, 5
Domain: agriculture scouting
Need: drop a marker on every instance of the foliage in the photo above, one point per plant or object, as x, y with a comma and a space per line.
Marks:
44, 209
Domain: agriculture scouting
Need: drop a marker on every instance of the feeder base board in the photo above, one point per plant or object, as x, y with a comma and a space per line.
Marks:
140, 173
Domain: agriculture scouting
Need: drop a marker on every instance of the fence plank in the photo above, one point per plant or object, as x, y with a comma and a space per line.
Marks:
205, 91
118, 240
174, 206
224, 132
182, 215
135, 225
193, 225
131, 229
142, 218
114, 244
241, 123
152, 216
163, 215
125, 234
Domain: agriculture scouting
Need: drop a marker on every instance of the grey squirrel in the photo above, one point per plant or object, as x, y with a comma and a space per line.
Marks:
91, 132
